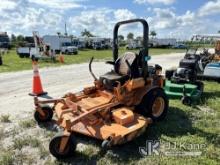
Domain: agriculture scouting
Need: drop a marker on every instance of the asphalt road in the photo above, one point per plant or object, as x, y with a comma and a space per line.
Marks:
14, 87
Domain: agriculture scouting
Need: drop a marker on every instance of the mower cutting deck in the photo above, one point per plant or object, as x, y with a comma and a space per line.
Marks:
116, 109
188, 93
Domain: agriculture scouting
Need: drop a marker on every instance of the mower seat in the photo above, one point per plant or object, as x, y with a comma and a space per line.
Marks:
111, 79
121, 71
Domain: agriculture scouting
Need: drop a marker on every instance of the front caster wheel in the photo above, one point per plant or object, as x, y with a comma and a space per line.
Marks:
186, 100
48, 114
62, 146
106, 144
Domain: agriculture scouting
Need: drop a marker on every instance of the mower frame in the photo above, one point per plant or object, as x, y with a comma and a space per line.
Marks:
115, 116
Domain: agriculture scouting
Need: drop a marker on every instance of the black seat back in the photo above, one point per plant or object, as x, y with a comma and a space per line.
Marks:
122, 68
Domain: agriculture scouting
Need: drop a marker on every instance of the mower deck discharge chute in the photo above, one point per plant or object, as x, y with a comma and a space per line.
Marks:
116, 109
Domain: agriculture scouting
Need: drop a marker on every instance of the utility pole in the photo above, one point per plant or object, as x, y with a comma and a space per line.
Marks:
65, 29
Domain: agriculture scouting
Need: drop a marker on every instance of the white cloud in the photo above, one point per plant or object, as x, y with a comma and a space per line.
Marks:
210, 8
23, 18
165, 2
7, 5
101, 21
163, 18
123, 14
57, 4
48, 16
168, 23
97, 21
189, 18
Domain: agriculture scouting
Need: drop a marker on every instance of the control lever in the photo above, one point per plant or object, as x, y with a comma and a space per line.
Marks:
90, 69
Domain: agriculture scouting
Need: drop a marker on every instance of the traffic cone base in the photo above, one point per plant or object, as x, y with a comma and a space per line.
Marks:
40, 94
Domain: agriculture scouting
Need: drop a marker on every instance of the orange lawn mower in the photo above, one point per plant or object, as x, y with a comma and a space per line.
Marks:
119, 106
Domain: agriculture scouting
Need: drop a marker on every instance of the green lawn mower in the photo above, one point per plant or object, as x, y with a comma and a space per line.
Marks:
182, 82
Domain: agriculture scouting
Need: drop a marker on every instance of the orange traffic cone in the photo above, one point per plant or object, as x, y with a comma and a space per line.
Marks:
37, 86
61, 58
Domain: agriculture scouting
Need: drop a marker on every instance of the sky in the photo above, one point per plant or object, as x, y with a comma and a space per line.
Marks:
169, 18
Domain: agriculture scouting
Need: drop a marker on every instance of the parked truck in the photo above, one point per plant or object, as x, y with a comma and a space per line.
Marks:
133, 44
80, 43
100, 43
162, 42
60, 44
4, 41
24, 49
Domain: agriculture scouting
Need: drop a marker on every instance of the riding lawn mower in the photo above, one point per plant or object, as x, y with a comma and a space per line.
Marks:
182, 83
116, 109
212, 70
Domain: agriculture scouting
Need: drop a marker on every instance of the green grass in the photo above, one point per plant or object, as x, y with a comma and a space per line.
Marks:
19, 143
27, 123
5, 118
6, 157
12, 62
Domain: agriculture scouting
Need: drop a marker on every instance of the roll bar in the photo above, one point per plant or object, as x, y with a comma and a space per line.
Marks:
144, 52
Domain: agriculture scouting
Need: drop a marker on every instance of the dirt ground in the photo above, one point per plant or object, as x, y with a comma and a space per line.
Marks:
14, 87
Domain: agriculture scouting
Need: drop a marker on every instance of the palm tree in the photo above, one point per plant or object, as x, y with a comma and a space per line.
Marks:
130, 36
153, 34
86, 33
121, 37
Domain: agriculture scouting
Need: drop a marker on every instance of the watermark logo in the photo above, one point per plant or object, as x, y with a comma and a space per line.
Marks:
157, 147
152, 147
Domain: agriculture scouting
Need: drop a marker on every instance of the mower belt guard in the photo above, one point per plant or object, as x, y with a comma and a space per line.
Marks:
123, 116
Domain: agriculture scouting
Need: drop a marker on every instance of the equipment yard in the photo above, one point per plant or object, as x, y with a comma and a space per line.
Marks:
87, 82
24, 142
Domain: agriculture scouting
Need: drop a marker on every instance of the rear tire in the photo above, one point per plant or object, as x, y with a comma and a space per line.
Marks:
48, 114
154, 104
1, 60
21, 55
200, 85
69, 149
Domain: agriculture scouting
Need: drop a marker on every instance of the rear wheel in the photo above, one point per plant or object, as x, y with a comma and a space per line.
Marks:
21, 55
154, 104
68, 150
67, 52
186, 100
200, 86
48, 114
1, 60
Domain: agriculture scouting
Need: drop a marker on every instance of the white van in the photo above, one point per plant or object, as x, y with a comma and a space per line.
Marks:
60, 44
